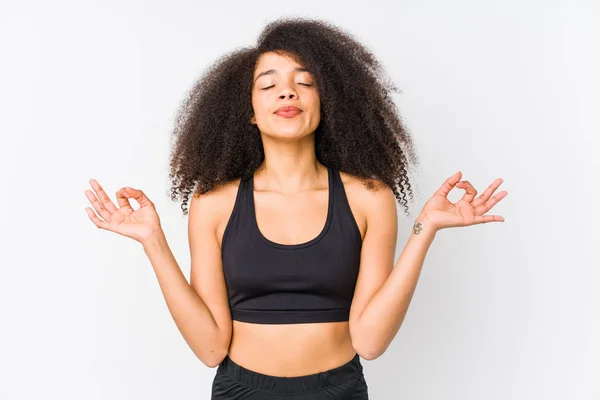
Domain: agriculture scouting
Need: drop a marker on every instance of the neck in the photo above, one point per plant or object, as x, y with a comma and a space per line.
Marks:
290, 167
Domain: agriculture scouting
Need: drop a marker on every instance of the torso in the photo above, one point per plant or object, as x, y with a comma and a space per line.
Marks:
292, 349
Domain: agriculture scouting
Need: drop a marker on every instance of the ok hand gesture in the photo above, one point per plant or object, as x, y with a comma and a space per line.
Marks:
441, 213
137, 224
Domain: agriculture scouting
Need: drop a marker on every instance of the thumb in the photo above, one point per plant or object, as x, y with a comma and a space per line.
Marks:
140, 197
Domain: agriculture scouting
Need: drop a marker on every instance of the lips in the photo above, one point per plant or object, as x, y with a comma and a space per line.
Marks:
288, 111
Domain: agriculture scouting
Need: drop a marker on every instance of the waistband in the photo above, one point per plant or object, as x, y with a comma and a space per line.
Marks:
295, 384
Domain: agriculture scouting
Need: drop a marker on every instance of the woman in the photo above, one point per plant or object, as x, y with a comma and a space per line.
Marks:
294, 154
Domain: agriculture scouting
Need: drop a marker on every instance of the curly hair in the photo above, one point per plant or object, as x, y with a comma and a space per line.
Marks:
360, 131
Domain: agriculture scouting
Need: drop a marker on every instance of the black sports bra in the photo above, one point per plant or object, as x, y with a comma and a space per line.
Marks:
272, 283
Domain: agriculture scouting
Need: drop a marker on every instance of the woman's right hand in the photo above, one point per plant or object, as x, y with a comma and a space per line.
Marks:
138, 224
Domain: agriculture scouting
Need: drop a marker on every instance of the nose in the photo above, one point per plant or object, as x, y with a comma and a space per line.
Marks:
287, 92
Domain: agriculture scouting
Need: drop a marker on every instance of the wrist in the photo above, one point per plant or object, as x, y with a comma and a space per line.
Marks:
423, 225
156, 240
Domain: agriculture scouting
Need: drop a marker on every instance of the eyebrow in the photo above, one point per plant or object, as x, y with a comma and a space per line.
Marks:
272, 71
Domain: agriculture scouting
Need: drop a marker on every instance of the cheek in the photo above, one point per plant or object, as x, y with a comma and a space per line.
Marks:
260, 100
259, 106
316, 108
315, 101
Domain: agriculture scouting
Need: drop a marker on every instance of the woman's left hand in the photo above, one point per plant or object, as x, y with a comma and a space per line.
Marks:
441, 213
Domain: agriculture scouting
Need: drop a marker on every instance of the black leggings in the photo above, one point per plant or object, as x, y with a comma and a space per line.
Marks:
233, 382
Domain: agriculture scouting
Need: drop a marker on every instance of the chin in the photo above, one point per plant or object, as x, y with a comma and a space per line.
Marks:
291, 134
285, 130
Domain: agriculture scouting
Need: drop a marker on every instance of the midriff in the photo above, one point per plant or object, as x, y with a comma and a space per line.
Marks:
288, 350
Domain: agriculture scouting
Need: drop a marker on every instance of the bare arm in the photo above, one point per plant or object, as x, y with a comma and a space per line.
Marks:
200, 309
383, 315
384, 291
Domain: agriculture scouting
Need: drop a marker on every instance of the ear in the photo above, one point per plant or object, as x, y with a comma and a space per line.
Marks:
253, 120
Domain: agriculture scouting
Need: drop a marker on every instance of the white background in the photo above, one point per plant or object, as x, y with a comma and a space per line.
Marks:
494, 89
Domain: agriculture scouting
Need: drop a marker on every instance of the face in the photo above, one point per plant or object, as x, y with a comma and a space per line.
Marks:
281, 82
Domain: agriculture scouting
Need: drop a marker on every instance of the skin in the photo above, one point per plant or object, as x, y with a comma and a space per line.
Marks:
291, 185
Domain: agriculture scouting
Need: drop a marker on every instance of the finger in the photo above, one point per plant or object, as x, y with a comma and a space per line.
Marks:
140, 197
97, 221
104, 199
482, 219
482, 209
449, 184
103, 212
122, 198
470, 191
487, 192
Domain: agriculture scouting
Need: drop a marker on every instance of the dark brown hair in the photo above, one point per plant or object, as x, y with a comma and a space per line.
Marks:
360, 131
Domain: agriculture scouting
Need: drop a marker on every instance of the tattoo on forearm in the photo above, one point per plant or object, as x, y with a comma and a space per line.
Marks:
417, 228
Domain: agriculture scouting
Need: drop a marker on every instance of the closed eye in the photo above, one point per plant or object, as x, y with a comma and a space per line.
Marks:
299, 83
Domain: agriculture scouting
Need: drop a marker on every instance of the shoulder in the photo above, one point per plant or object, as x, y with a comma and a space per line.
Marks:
369, 199
216, 195
214, 207
367, 192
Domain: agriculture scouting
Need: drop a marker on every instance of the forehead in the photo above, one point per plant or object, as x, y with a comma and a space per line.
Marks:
276, 61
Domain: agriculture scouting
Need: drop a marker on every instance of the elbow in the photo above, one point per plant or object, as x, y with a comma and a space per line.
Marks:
369, 355
212, 362
368, 351
213, 353
213, 358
